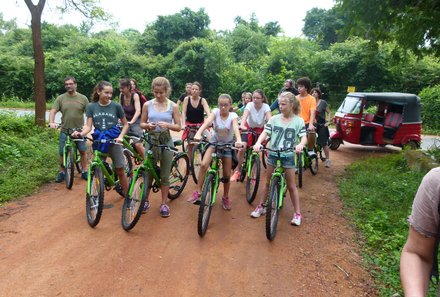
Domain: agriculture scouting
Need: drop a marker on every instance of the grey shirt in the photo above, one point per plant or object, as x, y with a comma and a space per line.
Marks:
104, 117
424, 217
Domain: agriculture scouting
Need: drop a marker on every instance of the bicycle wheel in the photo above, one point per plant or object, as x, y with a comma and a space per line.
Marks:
206, 204
243, 170
95, 199
134, 203
196, 161
78, 161
70, 170
128, 168
272, 208
263, 158
178, 175
299, 168
253, 180
313, 165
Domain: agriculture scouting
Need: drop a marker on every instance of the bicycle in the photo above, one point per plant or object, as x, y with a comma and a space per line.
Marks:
141, 183
210, 187
277, 192
250, 168
71, 156
304, 160
100, 176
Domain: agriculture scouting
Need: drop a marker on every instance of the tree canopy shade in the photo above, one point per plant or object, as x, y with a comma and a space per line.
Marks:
413, 24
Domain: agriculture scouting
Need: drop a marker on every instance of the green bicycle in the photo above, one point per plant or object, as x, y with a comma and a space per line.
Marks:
277, 192
251, 168
210, 187
142, 181
71, 156
304, 160
100, 176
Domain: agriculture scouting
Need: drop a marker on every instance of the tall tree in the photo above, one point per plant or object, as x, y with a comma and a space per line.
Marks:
88, 8
412, 24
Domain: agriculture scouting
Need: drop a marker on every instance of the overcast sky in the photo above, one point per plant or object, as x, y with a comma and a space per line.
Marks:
137, 14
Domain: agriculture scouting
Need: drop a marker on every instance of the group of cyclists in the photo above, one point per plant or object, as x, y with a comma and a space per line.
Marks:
294, 126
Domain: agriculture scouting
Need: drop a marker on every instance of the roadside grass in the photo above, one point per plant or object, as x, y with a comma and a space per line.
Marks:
16, 102
377, 194
28, 156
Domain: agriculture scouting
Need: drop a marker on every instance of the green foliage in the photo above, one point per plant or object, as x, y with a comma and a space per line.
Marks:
409, 23
28, 156
324, 26
430, 98
378, 204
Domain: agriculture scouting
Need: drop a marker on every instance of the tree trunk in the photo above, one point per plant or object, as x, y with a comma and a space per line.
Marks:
37, 42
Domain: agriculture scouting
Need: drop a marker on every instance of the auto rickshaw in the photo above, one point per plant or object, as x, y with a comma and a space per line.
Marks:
378, 119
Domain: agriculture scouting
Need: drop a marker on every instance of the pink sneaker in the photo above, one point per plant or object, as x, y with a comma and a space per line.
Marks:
226, 203
195, 198
296, 220
235, 177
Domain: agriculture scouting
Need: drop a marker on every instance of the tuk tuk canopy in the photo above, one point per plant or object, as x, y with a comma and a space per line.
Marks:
411, 103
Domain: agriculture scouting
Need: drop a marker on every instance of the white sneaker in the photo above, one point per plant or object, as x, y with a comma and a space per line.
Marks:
259, 211
296, 220
327, 163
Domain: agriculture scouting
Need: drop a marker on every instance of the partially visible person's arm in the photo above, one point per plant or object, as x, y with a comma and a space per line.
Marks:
415, 263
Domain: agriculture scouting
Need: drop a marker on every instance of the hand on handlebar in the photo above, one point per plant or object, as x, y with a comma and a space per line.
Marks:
299, 148
311, 127
257, 147
76, 134
53, 125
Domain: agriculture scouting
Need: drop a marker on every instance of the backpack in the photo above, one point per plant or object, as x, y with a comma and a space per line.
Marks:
142, 98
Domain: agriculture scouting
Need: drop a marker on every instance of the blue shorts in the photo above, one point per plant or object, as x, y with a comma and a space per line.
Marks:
227, 152
286, 162
81, 145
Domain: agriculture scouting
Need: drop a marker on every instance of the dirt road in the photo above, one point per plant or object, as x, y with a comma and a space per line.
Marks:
48, 249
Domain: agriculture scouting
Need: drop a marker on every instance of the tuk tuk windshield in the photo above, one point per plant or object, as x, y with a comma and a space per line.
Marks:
351, 105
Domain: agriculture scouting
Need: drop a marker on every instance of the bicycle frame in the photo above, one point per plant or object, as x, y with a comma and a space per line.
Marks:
279, 172
146, 166
127, 145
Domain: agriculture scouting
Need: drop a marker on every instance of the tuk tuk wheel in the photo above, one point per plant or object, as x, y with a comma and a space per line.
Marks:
411, 145
334, 144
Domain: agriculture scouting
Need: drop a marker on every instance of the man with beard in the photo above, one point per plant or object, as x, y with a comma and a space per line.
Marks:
72, 105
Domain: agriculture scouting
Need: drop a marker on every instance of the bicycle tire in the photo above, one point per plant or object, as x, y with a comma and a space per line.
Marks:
243, 170
253, 180
196, 161
134, 203
205, 204
78, 161
272, 209
70, 169
263, 159
95, 199
313, 165
128, 167
299, 168
178, 175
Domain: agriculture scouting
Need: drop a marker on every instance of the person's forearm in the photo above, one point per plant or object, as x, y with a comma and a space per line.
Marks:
52, 116
414, 274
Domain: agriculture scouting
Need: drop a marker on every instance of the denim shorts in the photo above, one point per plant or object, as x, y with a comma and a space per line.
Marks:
286, 162
81, 145
227, 153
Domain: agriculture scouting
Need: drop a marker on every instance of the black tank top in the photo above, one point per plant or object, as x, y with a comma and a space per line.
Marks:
130, 109
195, 115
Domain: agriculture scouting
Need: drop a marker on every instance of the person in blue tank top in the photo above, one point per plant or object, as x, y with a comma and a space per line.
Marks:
159, 116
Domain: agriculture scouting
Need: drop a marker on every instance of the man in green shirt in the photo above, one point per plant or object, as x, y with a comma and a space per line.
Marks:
72, 106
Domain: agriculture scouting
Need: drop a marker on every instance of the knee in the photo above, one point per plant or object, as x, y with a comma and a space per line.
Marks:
225, 179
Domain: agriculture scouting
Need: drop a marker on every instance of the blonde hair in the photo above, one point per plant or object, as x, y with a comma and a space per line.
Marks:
162, 82
293, 101
225, 96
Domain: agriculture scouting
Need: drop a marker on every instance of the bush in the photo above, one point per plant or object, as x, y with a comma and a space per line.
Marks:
28, 156
430, 108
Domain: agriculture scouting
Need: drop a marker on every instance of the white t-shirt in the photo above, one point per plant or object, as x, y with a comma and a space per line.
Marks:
256, 117
223, 130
